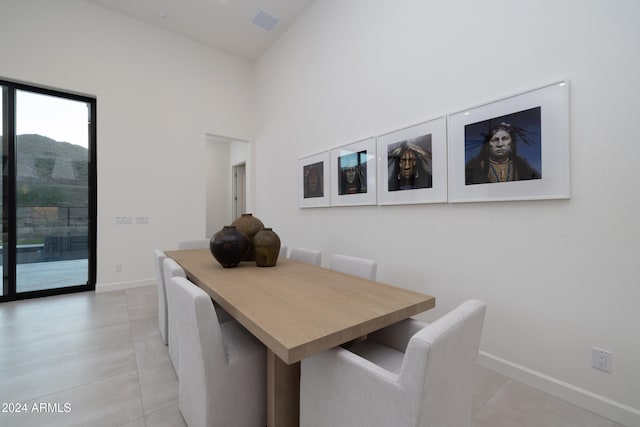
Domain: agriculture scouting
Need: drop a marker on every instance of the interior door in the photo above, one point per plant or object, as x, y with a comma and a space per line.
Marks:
239, 189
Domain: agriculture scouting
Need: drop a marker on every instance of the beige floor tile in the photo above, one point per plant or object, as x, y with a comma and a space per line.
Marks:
110, 402
141, 296
150, 351
168, 417
39, 351
144, 327
63, 373
518, 405
141, 311
25, 333
486, 384
159, 387
136, 423
56, 307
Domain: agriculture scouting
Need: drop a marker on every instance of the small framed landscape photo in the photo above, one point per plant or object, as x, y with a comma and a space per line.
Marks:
314, 181
412, 164
353, 171
516, 148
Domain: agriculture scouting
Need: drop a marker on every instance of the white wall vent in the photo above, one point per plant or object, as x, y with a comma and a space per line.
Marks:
265, 21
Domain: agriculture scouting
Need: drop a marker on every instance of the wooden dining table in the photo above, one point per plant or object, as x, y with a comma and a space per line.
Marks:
297, 310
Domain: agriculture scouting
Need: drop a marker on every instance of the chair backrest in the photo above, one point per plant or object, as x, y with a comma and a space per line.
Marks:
172, 269
309, 256
202, 353
194, 244
439, 363
163, 317
355, 266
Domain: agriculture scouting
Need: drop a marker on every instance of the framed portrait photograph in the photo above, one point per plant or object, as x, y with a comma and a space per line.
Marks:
314, 181
412, 164
516, 148
353, 172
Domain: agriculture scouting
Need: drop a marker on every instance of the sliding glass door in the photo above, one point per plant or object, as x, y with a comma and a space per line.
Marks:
5, 226
48, 192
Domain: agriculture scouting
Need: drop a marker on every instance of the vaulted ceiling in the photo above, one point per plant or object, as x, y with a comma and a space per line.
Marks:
244, 28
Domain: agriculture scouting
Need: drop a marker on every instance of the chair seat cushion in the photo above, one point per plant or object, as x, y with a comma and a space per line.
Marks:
379, 354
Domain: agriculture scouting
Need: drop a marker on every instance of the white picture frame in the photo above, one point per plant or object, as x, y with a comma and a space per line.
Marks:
544, 114
314, 181
353, 174
422, 149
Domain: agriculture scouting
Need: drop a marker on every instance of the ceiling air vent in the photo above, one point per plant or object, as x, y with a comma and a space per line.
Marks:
265, 21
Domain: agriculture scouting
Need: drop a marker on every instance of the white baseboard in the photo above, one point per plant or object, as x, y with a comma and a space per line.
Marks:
603, 406
116, 286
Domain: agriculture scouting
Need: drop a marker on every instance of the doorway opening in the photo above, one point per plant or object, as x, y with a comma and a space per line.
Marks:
228, 181
239, 201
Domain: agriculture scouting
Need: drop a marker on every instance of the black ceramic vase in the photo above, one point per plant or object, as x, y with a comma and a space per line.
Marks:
229, 246
249, 225
266, 244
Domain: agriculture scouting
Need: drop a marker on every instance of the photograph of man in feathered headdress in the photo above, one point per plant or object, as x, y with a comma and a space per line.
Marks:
409, 164
503, 149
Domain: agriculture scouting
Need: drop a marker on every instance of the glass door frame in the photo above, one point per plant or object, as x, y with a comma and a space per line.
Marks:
9, 183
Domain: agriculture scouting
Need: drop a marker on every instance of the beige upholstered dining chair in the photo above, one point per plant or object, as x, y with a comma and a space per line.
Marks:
163, 318
172, 269
309, 256
408, 374
355, 266
222, 367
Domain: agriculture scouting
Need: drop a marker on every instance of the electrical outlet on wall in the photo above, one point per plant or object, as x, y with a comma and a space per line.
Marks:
601, 359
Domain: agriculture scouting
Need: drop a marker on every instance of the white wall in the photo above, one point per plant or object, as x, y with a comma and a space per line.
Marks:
218, 187
559, 276
158, 95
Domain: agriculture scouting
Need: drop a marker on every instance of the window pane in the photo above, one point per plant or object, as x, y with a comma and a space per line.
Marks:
52, 192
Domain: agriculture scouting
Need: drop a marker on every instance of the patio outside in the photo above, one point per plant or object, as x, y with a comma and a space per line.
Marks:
50, 275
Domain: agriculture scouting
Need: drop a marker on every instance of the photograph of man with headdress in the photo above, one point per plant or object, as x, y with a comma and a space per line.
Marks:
503, 149
313, 176
409, 164
352, 173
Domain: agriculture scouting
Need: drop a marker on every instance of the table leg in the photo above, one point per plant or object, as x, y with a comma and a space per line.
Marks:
283, 392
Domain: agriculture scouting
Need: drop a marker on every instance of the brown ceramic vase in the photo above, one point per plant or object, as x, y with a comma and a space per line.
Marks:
266, 244
229, 246
249, 225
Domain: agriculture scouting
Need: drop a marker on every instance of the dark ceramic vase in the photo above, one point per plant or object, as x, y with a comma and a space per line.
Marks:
267, 247
249, 225
229, 246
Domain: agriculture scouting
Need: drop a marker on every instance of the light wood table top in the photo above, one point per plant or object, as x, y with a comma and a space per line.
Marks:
298, 309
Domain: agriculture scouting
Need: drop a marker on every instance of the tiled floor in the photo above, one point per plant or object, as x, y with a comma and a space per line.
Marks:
92, 359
